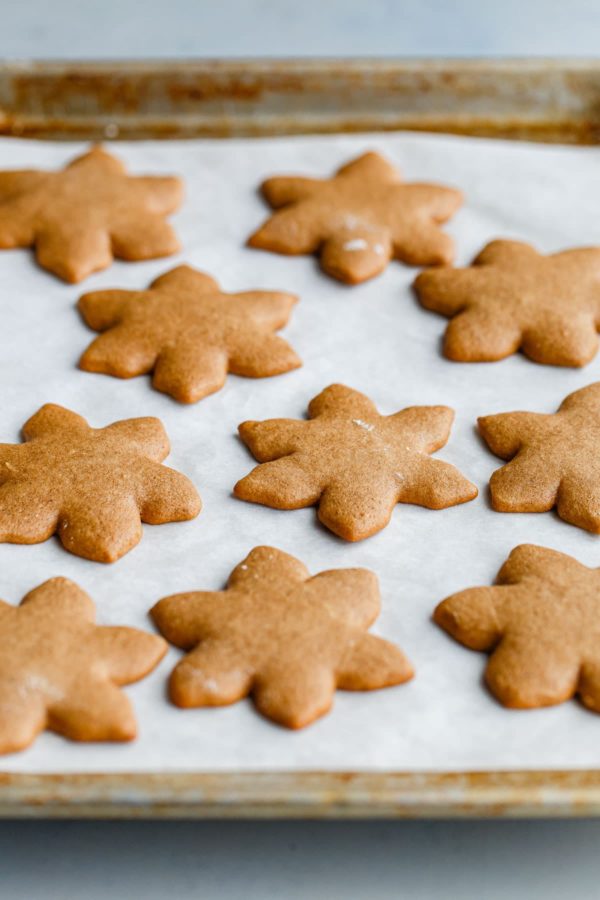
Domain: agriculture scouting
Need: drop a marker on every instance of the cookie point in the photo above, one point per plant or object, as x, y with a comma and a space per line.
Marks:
296, 721
239, 490
98, 553
264, 550
245, 429
159, 647
46, 408
194, 505
71, 274
421, 279
404, 672
293, 362
471, 491
442, 258
60, 581
159, 610
443, 616
345, 275
347, 531
409, 671
255, 240
179, 688
125, 731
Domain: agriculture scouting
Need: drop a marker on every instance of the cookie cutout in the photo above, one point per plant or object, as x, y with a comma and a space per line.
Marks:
359, 220
81, 217
60, 671
284, 638
188, 333
354, 463
555, 459
513, 298
91, 486
541, 624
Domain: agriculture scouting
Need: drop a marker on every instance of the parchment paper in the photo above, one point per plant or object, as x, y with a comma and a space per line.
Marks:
375, 338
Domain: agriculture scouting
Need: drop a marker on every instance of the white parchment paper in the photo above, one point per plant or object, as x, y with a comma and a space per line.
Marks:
375, 338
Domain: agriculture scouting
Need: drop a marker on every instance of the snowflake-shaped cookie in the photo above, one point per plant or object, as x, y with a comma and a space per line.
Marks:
91, 486
188, 333
555, 459
541, 624
353, 462
514, 298
287, 639
61, 671
359, 220
79, 218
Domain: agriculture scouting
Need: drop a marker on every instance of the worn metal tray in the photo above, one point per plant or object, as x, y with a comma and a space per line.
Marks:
542, 100
545, 100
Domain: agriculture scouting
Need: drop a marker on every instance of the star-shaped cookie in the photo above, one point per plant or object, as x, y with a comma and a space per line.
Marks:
91, 486
353, 462
287, 639
555, 459
61, 671
188, 333
81, 217
541, 624
514, 298
359, 220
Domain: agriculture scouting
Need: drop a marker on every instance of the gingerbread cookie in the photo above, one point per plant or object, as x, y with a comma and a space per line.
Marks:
78, 219
61, 671
359, 220
514, 298
554, 459
287, 639
541, 624
353, 462
91, 486
188, 333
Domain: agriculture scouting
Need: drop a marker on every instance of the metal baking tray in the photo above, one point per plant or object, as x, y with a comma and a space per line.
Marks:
544, 100
540, 100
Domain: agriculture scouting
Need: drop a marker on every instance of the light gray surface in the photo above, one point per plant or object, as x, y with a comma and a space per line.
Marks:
191, 28
59, 861
316, 860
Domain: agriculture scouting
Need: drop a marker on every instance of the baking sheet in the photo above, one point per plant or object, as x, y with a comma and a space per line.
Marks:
375, 338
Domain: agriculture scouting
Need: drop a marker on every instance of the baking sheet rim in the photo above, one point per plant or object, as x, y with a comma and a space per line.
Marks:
307, 794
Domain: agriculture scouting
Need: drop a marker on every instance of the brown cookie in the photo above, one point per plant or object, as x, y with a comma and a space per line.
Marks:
188, 333
555, 459
61, 671
359, 220
514, 298
79, 218
541, 624
287, 639
353, 462
91, 486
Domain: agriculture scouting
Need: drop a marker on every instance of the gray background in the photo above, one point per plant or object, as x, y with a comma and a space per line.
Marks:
167, 28
259, 860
